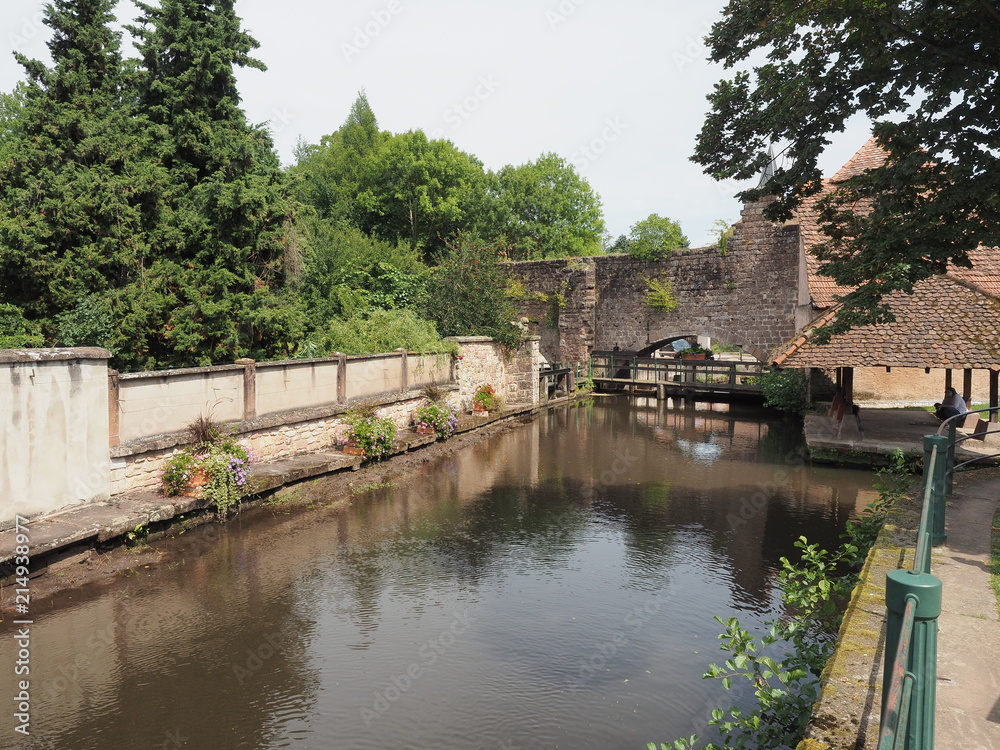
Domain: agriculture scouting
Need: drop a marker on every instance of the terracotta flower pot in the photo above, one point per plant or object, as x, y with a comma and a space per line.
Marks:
196, 484
351, 448
423, 429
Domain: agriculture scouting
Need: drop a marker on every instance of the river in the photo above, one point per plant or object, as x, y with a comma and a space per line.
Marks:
551, 587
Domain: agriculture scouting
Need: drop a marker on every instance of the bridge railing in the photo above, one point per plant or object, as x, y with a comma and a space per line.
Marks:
913, 601
631, 368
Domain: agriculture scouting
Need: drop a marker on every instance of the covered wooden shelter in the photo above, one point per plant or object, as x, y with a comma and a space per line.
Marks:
949, 322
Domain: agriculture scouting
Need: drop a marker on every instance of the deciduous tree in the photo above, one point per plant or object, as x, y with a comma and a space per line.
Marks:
926, 74
655, 237
547, 210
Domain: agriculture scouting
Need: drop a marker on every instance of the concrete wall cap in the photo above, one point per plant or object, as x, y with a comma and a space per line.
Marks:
53, 355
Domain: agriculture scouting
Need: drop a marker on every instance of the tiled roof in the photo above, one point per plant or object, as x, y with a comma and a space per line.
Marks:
985, 272
944, 323
867, 157
823, 289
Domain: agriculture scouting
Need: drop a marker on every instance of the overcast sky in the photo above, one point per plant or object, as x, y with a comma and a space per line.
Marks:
616, 88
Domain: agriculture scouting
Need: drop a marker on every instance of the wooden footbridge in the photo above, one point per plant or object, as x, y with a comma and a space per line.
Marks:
676, 378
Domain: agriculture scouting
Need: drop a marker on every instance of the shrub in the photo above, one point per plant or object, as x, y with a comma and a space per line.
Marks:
660, 295
785, 390
216, 461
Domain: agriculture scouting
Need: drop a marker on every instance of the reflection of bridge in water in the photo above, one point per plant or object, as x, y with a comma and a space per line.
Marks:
687, 377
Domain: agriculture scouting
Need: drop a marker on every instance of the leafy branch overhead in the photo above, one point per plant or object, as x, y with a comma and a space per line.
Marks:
924, 73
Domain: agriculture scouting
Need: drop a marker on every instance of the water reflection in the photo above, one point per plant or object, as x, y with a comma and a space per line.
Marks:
552, 587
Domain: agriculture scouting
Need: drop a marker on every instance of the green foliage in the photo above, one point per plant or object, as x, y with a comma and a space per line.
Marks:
785, 390
723, 233
660, 295
655, 237
371, 331
466, 293
421, 190
89, 323
375, 435
16, 332
78, 183
138, 208
816, 65
556, 303
546, 210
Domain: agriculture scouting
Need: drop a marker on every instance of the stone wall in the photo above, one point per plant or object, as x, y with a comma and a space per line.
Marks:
294, 433
559, 302
748, 296
78, 432
484, 361
54, 441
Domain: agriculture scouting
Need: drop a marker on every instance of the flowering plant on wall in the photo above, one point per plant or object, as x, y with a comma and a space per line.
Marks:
436, 417
215, 466
375, 436
486, 399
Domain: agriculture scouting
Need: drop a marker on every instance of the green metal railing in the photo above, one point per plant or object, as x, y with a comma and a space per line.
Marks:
949, 427
913, 601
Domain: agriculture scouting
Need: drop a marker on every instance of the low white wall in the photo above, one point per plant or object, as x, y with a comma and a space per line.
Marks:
286, 386
157, 403
374, 375
428, 369
54, 441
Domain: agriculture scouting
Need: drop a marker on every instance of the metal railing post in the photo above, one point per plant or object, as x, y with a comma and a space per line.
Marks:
950, 466
921, 662
937, 476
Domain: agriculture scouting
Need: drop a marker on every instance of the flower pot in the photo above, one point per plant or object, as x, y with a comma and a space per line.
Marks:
196, 484
701, 356
478, 410
351, 448
423, 429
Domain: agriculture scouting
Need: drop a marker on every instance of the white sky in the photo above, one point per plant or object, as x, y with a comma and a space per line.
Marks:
617, 88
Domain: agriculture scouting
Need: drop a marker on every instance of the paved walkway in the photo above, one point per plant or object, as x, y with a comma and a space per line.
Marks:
968, 687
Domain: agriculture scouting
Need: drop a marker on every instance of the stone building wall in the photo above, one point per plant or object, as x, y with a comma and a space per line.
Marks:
748, 296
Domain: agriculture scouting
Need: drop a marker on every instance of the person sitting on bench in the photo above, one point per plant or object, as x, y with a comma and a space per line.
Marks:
952, 406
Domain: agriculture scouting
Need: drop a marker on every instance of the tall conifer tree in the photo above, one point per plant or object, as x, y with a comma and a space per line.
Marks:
75, 186
225, 225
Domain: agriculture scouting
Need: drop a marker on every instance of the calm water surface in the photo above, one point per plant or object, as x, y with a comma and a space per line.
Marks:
554, 587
